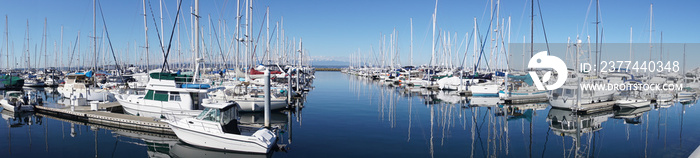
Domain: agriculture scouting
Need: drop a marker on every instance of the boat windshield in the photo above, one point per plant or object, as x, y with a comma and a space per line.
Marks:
210, 114
14, 94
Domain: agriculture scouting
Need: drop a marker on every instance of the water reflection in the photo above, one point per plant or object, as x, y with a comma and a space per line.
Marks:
450, 122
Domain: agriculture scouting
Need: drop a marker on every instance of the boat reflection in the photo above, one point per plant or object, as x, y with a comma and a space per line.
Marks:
566, 123
631, 115
184, 150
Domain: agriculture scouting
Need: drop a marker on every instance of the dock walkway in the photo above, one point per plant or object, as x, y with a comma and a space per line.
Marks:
83, 113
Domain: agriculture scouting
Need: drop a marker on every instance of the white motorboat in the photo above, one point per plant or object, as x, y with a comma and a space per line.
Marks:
686, 93
664, 97
252, 100
33, 82
565, 97
166, 93
633, 103
16, 101
217, 127
78, 86
484, 89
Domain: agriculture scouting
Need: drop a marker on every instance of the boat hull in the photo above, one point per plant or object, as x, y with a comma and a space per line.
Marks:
257, 105
154, 111
222, 141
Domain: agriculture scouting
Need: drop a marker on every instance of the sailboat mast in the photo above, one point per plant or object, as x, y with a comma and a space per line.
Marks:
411, 19
7, 43
651, 15
94, 32
432, 55
596, 36
532, 27
267, 36
196, 39
145, 35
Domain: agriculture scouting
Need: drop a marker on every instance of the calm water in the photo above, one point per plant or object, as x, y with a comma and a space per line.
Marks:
348, 116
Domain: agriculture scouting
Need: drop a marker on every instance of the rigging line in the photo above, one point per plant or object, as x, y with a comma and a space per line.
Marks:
157, 31
104, 23
218, 43
172, 33
73, 53
481, 52
268, 41
255, 48
464, 58
543, 29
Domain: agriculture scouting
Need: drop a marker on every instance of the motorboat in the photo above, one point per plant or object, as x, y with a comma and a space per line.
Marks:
165, 93
250, 100
17, 101
217, 127
79, 86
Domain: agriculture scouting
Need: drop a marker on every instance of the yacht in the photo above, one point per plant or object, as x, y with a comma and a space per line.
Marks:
166, 93
78, 85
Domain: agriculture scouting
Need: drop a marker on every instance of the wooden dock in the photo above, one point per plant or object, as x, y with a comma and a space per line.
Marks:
103, 118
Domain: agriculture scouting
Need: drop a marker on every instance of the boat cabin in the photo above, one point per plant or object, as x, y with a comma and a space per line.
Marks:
226, 114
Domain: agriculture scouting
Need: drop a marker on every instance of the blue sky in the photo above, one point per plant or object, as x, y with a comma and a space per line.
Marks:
339, 28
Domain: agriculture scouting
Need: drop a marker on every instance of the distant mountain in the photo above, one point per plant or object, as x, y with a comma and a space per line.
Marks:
328, 61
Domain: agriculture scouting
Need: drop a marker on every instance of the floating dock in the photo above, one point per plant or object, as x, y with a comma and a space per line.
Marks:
103, 118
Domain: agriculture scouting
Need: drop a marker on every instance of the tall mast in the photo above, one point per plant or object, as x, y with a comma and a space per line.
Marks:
238, 37
630, 43
145, 35
196, 39
267, 36
161, 25
651, 15
597, 6
61, 47
45, 41
248, 37
532, 27
94, 32
411, 19
7, 43
661, 47
432, 55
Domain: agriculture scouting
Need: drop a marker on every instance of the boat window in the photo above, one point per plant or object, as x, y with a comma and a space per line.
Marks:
228, 114
161, 96
174, 96
210, 114
149, 95
14, 94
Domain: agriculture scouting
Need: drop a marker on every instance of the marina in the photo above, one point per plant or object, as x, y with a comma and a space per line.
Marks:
429, 125
191, 78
